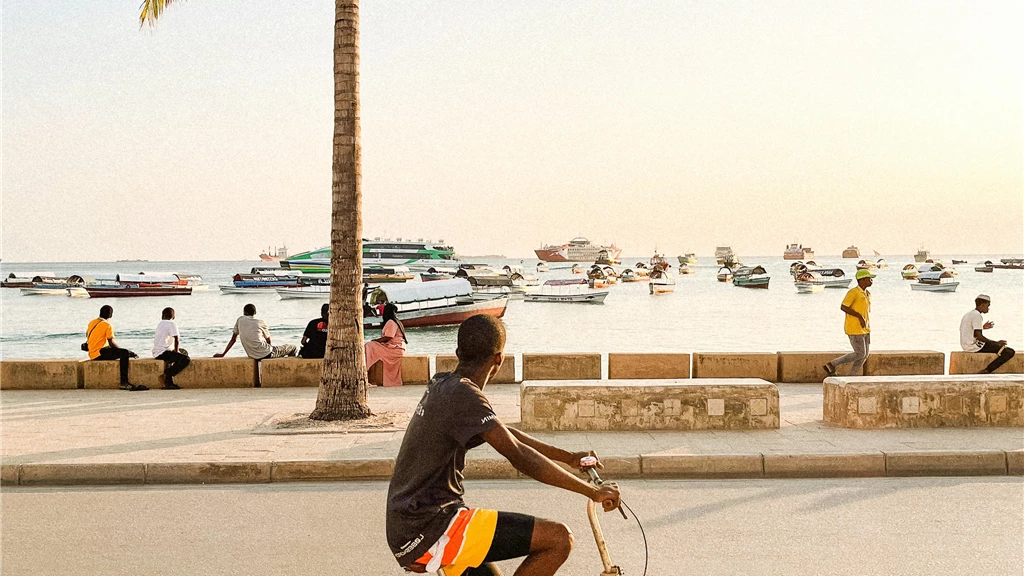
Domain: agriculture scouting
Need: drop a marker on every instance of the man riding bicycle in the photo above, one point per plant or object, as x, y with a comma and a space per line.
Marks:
429, 527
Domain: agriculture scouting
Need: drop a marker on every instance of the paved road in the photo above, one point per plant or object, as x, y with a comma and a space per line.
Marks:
889, 526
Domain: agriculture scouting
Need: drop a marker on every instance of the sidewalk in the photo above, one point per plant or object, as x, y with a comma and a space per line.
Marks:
111, 436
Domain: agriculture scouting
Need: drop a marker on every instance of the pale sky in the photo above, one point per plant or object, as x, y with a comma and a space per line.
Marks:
500, 126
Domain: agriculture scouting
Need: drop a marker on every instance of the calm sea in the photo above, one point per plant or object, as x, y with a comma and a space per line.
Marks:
701, 315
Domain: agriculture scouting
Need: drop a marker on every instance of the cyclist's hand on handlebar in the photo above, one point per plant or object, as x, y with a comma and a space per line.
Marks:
608, 496
574, 460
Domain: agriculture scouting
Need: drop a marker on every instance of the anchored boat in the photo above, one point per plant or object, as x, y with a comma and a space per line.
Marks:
567, 292
578, 249
439, 303
797, 252
725, 274
851, 252
910, 272
826, 278
688, 259
936, 281
661, 281
751, 277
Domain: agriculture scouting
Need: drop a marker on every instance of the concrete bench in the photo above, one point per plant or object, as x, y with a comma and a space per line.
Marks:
561, 366
924, 401
415, 370
648, 366
506, 374
974, 363
106, 374
763, 365
218, 373
905, 363
708, 404
290, 372
802, 367
39, 374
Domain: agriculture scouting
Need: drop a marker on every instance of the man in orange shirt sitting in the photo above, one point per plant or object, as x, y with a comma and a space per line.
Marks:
100, 338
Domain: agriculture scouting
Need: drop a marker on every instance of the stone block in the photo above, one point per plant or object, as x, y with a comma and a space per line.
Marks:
207, 472
415, 370
946, 463
843, 465
331, 470
763, 365
218, 373
82, 474
290, 372
702, 465
648, 366
561, 366
506, 374
974, 363
806, 367
106, 374
905, 363
1015, 462
39, 374
924, 401
708, 404
9, 474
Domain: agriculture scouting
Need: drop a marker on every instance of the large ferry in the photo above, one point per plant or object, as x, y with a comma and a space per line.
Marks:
380, 252
577, 250
797, 252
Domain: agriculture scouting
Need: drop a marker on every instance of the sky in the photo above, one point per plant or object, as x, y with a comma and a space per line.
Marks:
500, 127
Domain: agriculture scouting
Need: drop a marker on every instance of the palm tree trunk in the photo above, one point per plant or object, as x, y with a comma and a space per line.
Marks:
342, 392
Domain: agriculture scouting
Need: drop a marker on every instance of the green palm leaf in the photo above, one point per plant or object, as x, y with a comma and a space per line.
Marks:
150, 10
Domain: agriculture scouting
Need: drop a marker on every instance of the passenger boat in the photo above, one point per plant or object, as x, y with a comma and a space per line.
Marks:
809, 288
418, 254
382, 274
797, 252
578, 249
274, 254
725, 274
826, 278
439, 303
910, 272
661, 281
936, 281
851, 252
688, 259
261, 283
751, 277
24, 279
568, 292
922, 255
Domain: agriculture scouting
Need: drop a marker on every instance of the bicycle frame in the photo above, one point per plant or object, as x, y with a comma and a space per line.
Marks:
588, 464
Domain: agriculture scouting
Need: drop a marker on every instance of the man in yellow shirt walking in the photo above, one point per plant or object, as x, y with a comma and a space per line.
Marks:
857, 307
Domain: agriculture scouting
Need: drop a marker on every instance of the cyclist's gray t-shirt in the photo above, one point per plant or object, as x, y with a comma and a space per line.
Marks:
426, 487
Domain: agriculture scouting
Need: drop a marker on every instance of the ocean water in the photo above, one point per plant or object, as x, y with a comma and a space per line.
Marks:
701, 315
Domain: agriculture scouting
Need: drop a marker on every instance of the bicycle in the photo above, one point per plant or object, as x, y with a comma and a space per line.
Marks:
589, 465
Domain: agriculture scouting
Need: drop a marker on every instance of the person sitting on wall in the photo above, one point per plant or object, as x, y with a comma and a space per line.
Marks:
100, 344
389, 348
314, 339
255, 337
167, 347
972, 339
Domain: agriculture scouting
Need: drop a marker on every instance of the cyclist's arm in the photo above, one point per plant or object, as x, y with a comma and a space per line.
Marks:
551, 452
533, 463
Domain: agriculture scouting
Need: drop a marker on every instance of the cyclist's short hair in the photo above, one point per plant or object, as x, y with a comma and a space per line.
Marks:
480, 337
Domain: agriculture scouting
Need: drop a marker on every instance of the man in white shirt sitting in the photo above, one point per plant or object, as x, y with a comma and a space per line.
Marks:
167, 347
972, 340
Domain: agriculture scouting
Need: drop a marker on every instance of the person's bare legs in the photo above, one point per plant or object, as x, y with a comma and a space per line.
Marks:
550, 546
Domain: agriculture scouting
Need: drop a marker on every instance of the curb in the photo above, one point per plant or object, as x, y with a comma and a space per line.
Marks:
651, 466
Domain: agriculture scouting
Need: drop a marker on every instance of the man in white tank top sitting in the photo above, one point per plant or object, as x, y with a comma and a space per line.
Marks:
972, 339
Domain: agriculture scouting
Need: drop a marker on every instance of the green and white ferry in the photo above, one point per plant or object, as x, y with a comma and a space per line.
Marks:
418, 254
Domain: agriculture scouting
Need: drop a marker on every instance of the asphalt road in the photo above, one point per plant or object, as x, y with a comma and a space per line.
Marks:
887, 526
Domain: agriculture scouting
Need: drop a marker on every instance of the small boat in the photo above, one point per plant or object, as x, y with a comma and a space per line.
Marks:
866, 265
922, 255
500, 292
1008, 264
910, 272
542, 267
659, 261
797, 252
809, 288
725, 274
812, 264
662, 281
137, 290
46, 290
629, 276
24, 279
955, 262
688, 259
834, 278
320, 292
686, 269
382, 274
983, 268
724, 254
881, 263
605, 259
751, 277
567, 291
851, 252
259, 283
577, 269
936, 281
441, 303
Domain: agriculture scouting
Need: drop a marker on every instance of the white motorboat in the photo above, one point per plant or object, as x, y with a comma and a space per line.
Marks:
936, 281
809, 288
305, 292
439, 303
543, 267
43, 290
662, 282
567, 291
824, 278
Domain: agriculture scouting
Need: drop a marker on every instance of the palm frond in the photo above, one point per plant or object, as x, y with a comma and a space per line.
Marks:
150, 11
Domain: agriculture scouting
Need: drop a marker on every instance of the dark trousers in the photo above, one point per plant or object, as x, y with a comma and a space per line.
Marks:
1004, 352
120, 354
174, 363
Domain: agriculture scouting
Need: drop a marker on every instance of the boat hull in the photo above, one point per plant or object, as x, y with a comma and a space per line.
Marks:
139, 292
751, 283
444, 316
944, 287
586, 298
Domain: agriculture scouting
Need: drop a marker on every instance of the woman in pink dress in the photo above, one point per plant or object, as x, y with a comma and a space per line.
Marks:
389, 348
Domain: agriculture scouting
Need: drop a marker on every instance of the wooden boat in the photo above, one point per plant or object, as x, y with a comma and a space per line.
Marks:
1008, 264
688, 259
659, 261
955, 262
983, 268
137, 290
567, 292
851, 252
318, 292
751, 277
686, 269
661, 281
382, 274
881, 263
809, 288
725, 274
24, 279
434, 273
47, 286
910, 272
936, 281
439, 303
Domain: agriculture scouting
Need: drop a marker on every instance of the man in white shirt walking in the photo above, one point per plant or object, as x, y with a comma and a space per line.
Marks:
972, 340
167, 347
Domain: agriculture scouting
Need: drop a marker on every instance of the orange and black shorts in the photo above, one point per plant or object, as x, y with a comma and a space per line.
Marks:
477, 536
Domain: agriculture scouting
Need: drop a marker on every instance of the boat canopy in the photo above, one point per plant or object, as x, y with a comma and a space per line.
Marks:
421, 291
749, 271
152, 278
30, 275
566, 282
934, 275
92, 278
